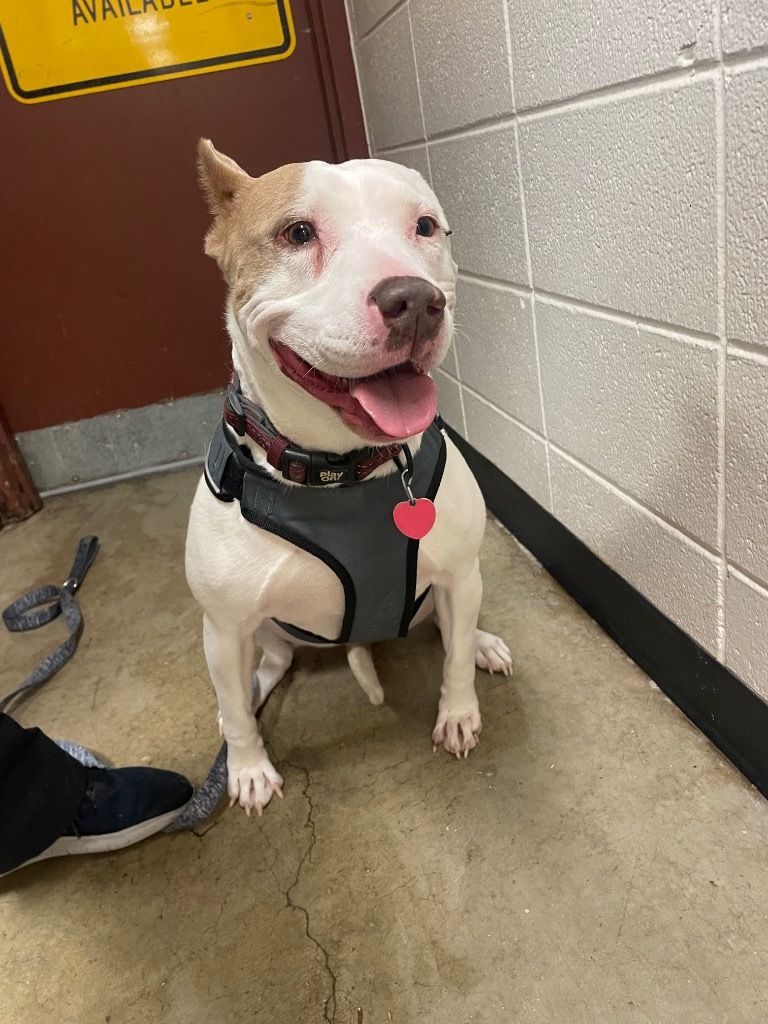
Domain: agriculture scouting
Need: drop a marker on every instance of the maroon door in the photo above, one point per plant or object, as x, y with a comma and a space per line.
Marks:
106, 298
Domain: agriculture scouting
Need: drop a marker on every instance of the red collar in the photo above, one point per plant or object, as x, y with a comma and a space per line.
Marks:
300, 465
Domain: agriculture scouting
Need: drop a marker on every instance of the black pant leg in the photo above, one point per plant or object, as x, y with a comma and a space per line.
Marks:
40, 789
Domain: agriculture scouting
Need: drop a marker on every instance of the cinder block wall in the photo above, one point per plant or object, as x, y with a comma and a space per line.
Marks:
604, 164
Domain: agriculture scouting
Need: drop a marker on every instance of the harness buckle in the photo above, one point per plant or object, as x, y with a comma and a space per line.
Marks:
296, 465
321, 469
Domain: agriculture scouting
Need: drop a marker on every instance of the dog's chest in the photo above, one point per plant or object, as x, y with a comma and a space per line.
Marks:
240, 571
352, 532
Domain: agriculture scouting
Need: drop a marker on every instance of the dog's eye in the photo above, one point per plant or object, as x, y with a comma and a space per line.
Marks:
426, 226
299, 233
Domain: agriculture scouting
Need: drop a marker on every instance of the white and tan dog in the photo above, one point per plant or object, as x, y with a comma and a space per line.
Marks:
309, 252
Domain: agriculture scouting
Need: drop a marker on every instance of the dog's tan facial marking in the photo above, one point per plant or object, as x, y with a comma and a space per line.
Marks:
250, 213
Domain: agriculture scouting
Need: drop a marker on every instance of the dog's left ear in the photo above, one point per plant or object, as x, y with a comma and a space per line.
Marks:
220, 177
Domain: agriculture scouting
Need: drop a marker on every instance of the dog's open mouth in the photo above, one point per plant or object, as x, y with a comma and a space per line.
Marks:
392, 405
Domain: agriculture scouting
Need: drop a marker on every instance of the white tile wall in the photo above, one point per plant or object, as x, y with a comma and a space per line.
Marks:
455, 34
621, 203
476, 179
519, 452
414, 157
449, 401
747, 175
747, 464
641, 410
625, 204
368, 13
746, 613
745, 25
574, 46
676, 574
387, 70
497, 355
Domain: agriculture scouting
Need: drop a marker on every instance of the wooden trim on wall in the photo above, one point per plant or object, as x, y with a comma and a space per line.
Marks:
19, 498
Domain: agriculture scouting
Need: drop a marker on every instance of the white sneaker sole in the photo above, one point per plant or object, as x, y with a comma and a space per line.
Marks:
67, 846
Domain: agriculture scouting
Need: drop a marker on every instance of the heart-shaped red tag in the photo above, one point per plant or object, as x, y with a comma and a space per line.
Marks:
415, 521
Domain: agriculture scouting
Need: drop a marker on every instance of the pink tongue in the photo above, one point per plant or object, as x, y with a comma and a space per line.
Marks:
401, 404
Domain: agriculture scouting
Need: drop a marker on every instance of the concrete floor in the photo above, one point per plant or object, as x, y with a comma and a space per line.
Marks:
594, 861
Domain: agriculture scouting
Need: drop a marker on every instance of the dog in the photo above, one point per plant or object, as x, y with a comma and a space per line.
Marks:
341, 295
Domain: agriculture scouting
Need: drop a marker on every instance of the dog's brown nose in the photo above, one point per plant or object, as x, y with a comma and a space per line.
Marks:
411, 308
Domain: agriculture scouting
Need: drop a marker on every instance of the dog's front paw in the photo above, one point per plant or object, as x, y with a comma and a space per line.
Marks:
457, 731
492, 654
251, 784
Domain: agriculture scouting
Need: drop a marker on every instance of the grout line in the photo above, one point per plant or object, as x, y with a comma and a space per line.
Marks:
667, 524
662, 80
648, 85
539, 376
384, 18
429, 162
667, 330
441, 369
506, 415
748, 578
528, 261
748, 350
617, 489
547, 298
385, 151
416, 72
522, 291
358, 77
508, 36
480, 127
747, 60
722, 330
690, 539
457, 380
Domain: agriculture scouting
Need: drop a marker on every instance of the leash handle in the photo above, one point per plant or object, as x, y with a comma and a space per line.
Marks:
41, 606
85, 556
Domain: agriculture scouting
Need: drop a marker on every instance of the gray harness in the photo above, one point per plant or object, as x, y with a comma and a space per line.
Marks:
349, 528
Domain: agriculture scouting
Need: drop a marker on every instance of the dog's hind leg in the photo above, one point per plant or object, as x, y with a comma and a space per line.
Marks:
276, 659
491, 653
363, 669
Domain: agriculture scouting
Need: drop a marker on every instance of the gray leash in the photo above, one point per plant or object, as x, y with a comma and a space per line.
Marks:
41, 606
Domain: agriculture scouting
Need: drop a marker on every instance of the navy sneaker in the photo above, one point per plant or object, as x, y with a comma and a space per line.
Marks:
121, 806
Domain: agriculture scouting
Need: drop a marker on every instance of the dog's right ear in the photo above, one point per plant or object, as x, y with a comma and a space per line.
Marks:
220, 177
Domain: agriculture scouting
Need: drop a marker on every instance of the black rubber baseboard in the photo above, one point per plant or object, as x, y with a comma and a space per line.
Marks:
733, 717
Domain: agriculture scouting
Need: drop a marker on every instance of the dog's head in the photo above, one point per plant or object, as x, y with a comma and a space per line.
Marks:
341, 294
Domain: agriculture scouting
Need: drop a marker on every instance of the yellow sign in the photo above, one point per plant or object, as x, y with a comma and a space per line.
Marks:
70, 47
